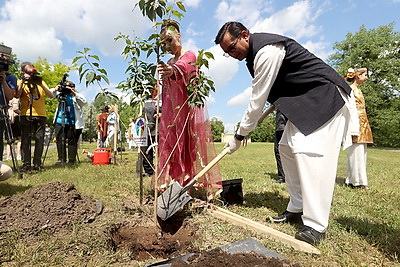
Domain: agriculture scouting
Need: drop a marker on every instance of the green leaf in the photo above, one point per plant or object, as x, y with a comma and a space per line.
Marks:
209, 55
95, 57
76, 59
90, 77
181, 6
177, 14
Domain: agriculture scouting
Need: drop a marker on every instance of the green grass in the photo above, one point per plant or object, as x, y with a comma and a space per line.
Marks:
364, 227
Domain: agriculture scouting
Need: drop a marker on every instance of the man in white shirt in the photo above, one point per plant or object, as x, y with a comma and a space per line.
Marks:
314, 98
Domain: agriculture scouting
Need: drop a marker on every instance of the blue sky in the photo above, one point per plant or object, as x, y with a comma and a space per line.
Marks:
56, 29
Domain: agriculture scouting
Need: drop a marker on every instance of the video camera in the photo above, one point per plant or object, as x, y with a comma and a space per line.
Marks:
63, 86
5, 61
33, 73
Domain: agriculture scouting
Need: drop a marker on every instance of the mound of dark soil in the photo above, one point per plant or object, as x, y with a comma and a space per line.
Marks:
50, 206
145, 241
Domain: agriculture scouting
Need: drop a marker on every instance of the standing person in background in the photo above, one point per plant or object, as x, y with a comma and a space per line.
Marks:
68, 121
32, 91
150, 113
112, 126
357, 154
280, 123
315, 99
102, 126
13, 115
9, 85
185, 142
129, 134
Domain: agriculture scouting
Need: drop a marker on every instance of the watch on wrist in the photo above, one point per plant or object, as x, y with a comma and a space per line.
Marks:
239, 137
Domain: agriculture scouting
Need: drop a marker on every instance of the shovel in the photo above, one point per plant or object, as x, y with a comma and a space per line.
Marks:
176, 196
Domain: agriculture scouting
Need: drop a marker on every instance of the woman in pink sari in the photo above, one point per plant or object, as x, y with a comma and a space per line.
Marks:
185, 140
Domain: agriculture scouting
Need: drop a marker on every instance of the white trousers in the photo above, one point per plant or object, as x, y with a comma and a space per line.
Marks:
357, 165
310, 165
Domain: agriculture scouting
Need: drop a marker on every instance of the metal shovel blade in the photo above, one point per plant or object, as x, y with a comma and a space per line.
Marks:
172, 200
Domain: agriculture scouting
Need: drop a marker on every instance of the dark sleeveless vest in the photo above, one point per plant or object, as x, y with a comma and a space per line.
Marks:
305, 89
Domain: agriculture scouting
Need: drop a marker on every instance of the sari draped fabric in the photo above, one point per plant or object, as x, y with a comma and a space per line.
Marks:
185, 139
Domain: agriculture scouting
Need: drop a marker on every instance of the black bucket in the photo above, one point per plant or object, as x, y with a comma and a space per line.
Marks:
232, 192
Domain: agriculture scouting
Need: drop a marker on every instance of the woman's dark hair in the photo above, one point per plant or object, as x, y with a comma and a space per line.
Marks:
234, 28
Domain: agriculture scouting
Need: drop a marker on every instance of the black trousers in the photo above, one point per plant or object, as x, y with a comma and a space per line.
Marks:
278, 136
69, 135
2, 129
37, 126
148, 165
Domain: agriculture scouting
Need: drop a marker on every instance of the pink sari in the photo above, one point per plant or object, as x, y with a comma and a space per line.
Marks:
185, 139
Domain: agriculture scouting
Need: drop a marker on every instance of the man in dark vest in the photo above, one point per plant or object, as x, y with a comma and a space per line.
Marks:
314, 99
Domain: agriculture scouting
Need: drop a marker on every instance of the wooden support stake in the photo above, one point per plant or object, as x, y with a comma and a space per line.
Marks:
236, 219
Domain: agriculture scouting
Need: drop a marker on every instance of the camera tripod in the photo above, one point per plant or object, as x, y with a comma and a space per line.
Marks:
8, 132
62, 106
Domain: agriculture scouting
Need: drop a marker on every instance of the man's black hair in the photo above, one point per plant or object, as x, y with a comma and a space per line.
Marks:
234, 28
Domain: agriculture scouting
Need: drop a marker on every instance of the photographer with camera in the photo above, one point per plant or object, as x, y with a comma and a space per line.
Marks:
31, 91
9, 86
68, 120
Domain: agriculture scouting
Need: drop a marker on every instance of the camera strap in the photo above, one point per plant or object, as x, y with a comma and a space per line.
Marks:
33, 91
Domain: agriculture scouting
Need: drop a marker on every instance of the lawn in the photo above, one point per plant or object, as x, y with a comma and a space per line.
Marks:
364, 225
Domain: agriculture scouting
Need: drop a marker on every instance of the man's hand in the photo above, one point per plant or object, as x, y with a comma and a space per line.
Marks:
233, 145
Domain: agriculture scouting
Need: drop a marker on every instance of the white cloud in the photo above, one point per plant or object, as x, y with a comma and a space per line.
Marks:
192, 3
190, 44
222, 69
241, 99
295, 21
91, 23
320, 49
246, 11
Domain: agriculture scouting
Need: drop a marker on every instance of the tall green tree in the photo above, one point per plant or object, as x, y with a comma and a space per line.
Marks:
379, 51
217, 128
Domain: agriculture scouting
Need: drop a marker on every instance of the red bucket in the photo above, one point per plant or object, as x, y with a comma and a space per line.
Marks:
101, 156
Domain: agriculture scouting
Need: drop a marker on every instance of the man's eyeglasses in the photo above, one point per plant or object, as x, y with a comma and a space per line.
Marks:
71, 85
232, 47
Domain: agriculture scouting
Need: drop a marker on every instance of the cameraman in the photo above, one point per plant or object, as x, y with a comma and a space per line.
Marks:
31, 91
68, 121
9, 86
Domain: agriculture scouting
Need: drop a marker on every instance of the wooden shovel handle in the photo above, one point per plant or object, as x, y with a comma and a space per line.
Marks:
206, 169
266, 113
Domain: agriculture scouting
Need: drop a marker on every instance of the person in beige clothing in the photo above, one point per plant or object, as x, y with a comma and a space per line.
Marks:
357, 153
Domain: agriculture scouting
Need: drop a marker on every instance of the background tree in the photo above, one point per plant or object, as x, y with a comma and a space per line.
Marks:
51, 74
379, 51
217, 128
264, 132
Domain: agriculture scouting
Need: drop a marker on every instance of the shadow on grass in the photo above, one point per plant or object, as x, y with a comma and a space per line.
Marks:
9, 189
270, 200
272, 175
340, 180
381, 236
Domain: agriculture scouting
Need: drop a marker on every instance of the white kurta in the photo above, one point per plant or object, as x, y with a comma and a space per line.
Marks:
309, 162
